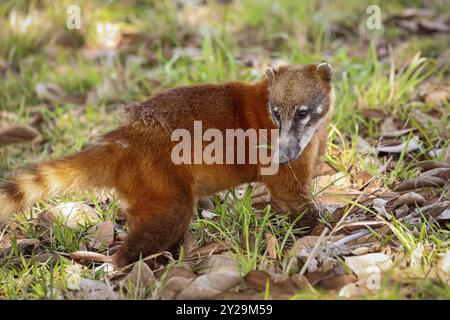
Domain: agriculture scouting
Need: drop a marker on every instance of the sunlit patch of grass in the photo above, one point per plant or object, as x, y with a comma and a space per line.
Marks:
215, 64
37, 280
374, 85
84, 74
244, 228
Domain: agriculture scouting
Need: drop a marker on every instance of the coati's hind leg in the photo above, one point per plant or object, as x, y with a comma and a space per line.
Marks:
155, 224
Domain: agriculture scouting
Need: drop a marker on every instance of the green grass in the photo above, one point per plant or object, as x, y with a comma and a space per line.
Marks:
244, 228
90, 89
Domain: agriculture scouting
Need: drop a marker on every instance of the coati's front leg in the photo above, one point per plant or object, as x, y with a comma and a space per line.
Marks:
290, 188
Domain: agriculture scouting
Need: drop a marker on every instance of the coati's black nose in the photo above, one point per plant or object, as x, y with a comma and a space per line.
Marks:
288, 155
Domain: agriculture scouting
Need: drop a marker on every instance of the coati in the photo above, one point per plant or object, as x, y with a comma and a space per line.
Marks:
160, 196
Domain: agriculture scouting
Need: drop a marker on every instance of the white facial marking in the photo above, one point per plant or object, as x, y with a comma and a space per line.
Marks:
307, 137
319, 109
306, 120
302, 108
309, 134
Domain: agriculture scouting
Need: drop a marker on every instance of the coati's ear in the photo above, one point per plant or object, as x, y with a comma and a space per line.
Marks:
324, 71
270, 74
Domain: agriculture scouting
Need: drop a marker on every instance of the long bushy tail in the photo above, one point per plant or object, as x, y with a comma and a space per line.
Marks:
89, 169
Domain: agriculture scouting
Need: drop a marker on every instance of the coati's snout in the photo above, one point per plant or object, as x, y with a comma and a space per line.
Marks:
300, 100
296, 132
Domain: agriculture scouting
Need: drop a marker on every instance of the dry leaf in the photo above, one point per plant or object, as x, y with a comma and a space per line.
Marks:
260, 281
174, 272
208, 285
173, 286
445, 215
257, 279
362, 178
95, 290
368, 264
89, 256
217, 262
141, 276
73, 214
444, 264
209, 249
432, 164
302, 243
358, 225
189, 242
413, 144
324, 170
433, 26
442, 173
420, 182
47, 257
360, 251
224, 274
272, 245
315, 277
337, 282
435, 209
308, 242
19, 133
101, 235
409, 199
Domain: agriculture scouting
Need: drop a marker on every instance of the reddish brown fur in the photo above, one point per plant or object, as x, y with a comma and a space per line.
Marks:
135, 161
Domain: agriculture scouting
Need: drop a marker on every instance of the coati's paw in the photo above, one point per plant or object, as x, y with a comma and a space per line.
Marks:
306, 217
120, 260
129, 253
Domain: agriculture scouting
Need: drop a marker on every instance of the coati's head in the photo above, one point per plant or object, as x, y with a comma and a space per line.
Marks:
301, 99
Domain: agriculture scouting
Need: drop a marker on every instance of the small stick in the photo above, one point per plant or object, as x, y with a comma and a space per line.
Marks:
314, 250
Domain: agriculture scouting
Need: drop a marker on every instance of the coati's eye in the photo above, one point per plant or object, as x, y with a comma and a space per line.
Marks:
276, 115
302, 114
